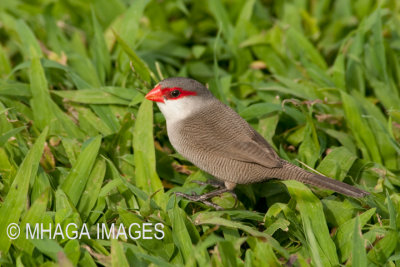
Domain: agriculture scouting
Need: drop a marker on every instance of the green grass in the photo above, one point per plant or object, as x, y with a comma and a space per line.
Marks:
320, 80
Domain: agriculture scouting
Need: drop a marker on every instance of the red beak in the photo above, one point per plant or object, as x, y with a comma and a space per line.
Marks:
155, 94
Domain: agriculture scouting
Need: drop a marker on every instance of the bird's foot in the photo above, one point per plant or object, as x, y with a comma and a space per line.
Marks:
204, 197
213, 183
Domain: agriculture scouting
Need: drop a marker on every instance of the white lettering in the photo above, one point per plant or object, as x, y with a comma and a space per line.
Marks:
58, 231
159, 230
146, 231
137, 232
35, 232
121, 231
44, 230
75, 232
108, 234
84, 231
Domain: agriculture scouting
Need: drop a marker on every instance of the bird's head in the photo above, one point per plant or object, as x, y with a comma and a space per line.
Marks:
178, 97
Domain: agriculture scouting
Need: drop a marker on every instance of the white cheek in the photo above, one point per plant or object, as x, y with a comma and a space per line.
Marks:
175, 110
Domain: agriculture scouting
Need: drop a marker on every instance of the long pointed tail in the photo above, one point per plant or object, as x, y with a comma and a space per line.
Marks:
292, 172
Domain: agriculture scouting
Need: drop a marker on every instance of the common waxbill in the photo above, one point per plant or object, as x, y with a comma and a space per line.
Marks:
217, 140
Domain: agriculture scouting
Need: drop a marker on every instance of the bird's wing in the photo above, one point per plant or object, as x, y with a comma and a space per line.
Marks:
221, 132
254, 152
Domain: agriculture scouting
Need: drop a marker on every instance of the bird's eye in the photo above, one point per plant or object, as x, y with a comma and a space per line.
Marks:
175, 93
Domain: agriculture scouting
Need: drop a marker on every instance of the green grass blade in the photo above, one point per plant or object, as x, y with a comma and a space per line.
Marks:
359, 256
14, 203
263, 254
345, 231
309, 150
75, 182
204, 218
392, 212
5, 65
85, 114
128, 26
337, 163
258, 110
365, 138
92, 189
384, 248
136, 191
45, 111
218, 10
40, 100
227, 253
90, 96
8, 88
118, 258
180, 232
303, 48
28, 39
4, 137
144, 153
106, 115
140, 67
99, 51
34, 215
322, 246
48, 247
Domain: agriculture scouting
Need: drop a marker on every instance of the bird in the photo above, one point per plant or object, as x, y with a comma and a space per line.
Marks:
217, 140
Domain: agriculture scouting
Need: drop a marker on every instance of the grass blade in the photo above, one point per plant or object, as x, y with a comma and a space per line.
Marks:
91, 96
359, 254
180, 232
144, 153
92, 189
28, 39
4, 138
140, 67
75, 182
322, 246
345, 231
14, 203
203, 218
34, 215
118, 258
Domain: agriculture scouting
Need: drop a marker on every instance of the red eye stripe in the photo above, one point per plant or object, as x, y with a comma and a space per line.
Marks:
167, 92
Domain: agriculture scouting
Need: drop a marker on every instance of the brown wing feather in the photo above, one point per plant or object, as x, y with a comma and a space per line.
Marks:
254, 152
